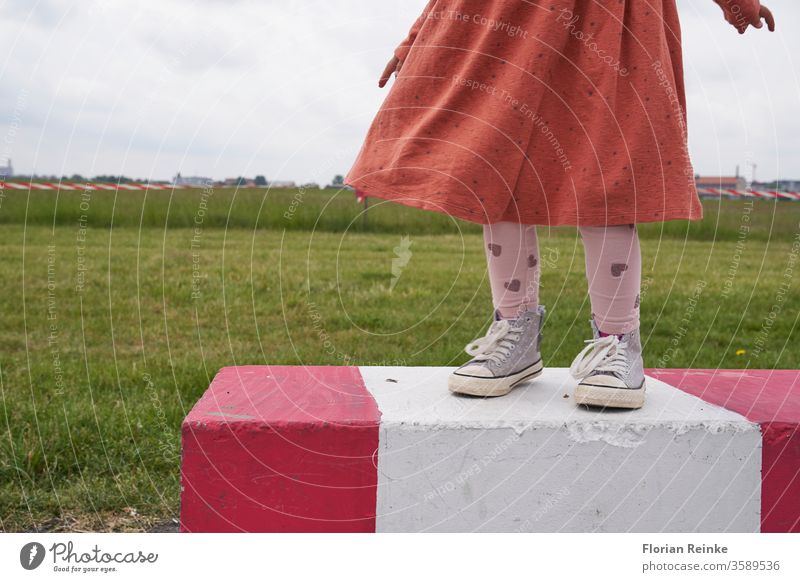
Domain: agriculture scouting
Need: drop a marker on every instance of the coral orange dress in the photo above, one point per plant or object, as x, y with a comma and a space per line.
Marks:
551, 112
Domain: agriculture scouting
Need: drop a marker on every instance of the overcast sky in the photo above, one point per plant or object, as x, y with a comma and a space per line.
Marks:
287, 88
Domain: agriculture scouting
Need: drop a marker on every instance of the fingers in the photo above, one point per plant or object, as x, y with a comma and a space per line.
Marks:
755, 21
737, 23
742, 28
384, 77
390, 68
766, 14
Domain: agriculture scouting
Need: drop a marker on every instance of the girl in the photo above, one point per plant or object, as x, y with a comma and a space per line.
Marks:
517, 113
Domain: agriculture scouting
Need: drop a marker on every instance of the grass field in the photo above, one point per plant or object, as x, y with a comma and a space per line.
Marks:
332, 211
111, 329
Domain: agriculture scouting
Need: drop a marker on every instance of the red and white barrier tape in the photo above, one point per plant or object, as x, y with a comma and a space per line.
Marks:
84, 186
749, 193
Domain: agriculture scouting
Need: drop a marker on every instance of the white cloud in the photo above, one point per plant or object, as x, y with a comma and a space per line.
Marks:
287, 89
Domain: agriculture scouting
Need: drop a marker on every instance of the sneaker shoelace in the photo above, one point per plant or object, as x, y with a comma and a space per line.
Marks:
604, 354
498, 342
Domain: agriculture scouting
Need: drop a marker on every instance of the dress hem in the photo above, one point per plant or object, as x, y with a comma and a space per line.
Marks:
448, 208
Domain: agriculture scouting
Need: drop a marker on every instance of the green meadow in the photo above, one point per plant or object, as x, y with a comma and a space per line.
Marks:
118, 309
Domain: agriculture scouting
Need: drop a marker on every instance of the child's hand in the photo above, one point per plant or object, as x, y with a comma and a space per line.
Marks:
744, 13
393, 66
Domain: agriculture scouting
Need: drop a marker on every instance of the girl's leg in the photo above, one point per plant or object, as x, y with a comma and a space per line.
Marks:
512, 252
509, 354
614, 274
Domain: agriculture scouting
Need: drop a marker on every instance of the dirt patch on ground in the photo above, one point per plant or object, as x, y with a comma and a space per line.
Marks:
129, 521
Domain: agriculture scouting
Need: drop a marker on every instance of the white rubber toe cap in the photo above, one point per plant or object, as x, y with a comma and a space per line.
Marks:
475, 370
603, 381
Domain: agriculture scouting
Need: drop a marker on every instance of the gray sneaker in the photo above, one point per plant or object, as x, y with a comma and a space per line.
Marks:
610, 370
506, 356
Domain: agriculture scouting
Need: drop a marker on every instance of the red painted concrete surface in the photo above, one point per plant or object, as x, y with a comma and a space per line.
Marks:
281, 449
772, 399
292, 448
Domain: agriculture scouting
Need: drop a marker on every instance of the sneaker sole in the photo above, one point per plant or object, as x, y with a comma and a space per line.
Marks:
475, 386
610, 397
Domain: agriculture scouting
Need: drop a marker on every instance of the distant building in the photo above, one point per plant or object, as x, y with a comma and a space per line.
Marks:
179, 180
789, 185
779, 185
721, 182
6, 169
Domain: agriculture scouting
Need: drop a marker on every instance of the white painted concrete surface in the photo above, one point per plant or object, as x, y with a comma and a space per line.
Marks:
534, 461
